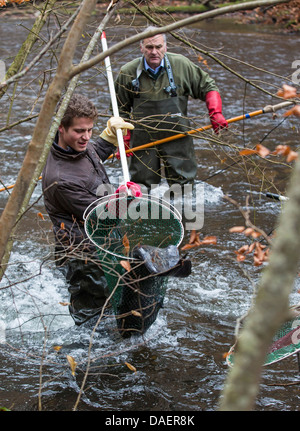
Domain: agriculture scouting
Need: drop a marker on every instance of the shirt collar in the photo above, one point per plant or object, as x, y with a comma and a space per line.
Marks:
162, 64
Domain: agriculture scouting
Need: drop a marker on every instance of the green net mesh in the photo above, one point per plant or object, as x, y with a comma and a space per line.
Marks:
117, 226
285, 343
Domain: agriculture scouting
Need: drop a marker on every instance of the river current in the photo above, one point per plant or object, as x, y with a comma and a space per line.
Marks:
179, 364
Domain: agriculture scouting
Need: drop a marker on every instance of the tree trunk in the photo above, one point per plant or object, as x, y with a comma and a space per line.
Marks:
35, 147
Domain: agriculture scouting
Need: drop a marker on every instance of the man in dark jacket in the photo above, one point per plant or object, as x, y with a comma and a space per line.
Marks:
154, 90
70, 179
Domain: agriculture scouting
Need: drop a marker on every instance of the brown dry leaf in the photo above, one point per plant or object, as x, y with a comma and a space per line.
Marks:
240, 257
262, 150
64, 304
247, 152
131, 367
41, 216
251, 247
249, 231
189, 246
126, 244
237, 229
293, 111
287, 92
243, 249
126, 265
257, 261
258, 254
255, 234
285, 150
72, 363
209, 240
292, 156
193, 236
57, 348
282, 150
136, 313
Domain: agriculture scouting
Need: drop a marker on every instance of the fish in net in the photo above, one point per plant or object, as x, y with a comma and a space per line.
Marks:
137, 241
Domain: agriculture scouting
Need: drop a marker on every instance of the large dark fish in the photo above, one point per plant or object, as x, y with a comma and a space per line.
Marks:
144, 286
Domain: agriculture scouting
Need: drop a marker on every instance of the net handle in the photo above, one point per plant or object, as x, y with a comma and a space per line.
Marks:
115, 112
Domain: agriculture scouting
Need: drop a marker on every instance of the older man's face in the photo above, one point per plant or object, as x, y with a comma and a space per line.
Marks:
154, 49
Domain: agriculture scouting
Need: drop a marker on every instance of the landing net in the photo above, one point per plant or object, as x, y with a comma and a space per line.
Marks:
119, 226
285, 343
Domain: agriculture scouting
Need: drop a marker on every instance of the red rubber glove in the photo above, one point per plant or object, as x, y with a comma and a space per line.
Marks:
117, 211
126, 139
214, 106
135, 188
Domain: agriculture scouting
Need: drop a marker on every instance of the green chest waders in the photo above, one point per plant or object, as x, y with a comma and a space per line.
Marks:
158, 119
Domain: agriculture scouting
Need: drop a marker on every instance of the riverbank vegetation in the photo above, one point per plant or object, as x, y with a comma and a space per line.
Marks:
283, 17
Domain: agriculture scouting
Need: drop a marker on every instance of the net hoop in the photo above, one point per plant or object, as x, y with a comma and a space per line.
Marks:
99, 209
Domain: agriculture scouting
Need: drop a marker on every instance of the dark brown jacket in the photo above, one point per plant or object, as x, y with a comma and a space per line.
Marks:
70, 181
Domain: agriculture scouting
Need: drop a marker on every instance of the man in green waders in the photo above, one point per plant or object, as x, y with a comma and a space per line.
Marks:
153, 90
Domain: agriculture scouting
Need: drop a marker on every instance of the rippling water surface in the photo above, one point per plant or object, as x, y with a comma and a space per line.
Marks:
180, 361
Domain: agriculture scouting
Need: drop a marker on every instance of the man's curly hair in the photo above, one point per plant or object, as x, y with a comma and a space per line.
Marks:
79, 106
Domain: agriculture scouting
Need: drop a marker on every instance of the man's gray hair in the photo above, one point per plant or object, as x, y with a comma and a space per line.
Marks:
152, 27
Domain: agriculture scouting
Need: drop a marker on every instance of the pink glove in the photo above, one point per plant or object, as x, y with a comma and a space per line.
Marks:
135, 188
126, 139
115, 209
214, 106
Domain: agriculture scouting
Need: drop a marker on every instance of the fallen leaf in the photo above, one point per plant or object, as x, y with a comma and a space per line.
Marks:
282, 150
262, 151
72, 363
257, 261
57, 348
255, 234
237, 229
251, 247
243, 249
126, 265
240, 257
126, 244
287, 92
136, 313
209, 240
189, 246
193, 236
292, 156
248, 231
41, 216
64, 304
131, 367
293, 111
247, 152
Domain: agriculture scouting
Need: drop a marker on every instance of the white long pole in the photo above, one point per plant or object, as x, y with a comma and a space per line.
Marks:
115, 110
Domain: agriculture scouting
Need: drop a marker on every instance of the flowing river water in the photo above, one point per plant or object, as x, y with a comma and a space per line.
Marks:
180, 361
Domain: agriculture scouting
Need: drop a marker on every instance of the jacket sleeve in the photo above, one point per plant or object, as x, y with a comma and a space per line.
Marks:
103, 148
200, 81
72, 199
